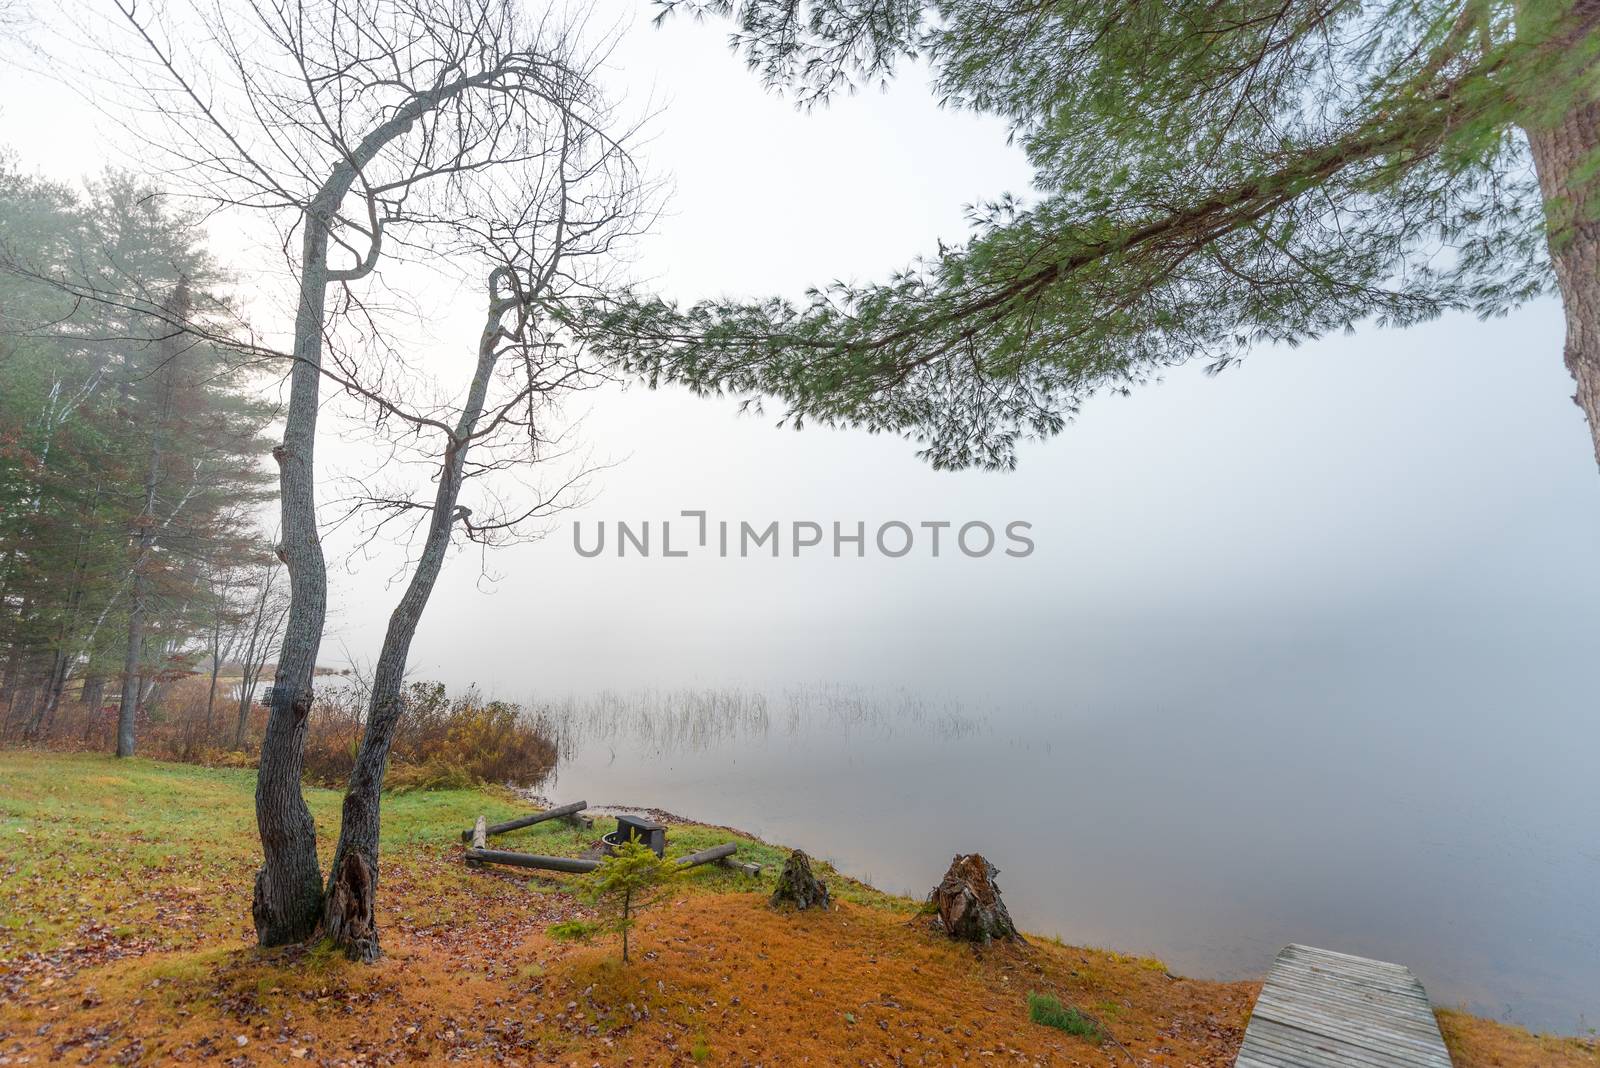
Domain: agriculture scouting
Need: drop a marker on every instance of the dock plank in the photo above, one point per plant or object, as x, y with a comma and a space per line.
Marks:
1323, 1009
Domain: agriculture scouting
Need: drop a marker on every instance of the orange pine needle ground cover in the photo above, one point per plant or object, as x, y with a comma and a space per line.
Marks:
134, 947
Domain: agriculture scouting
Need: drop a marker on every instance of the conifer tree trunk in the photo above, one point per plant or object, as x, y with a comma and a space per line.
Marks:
65, 657
1574, 234
131, 681
167, 357
1565, 156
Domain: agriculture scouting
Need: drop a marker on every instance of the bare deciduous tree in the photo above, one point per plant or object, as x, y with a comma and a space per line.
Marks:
545, 231
368, 129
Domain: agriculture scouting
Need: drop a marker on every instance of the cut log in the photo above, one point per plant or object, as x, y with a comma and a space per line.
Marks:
707, 856
532, 860
480, 834
798, 886
968, 903
558, 812
753, 870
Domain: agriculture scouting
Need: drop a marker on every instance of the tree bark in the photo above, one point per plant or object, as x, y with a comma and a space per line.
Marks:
288, 887
359, 826
1566, 149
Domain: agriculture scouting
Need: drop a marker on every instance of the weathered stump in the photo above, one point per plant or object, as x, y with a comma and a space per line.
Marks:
968, 903
347, 916
798, 886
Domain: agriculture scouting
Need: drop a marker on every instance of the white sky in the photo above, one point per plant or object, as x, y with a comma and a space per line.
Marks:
1408, 485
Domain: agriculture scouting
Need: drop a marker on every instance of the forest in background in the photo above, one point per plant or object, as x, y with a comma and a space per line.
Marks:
139, 590
142, 599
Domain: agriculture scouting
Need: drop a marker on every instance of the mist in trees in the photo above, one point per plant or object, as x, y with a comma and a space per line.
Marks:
130, 460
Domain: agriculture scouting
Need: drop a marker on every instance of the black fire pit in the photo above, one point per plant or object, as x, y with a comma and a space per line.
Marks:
630, 828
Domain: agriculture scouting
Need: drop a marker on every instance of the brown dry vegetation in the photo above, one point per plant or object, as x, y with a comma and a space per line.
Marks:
124, 893
442, 742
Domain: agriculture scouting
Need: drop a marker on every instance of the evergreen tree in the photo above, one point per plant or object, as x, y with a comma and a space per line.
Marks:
129, 453
1212, 176
625, 882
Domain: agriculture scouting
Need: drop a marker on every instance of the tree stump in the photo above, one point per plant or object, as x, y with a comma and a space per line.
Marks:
968, 903
797, 885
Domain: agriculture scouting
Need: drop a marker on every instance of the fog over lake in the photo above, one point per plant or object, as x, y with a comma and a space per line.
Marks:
1305, 652
1264, 679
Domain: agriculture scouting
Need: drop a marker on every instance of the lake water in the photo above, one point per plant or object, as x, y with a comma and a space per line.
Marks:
1466, 846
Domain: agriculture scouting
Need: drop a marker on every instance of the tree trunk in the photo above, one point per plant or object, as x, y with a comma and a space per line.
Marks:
1566, 149
627, 908
254, 659
167, 357
288, 889
131, 681
288, 900
347, 919
61, 669
217, 656
247, 687
94, 691
52, 693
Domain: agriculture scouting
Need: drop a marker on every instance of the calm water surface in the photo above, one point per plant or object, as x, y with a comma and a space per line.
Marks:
1466, 846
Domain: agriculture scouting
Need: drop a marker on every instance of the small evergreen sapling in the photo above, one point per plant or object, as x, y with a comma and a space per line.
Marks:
627, 882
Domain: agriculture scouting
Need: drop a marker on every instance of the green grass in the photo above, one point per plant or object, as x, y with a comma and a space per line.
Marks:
77, 830
1047, 1009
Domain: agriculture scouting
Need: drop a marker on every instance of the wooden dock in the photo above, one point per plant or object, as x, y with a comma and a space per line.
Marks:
1321, 1009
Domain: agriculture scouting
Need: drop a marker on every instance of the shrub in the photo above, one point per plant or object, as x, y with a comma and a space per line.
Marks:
1047, 1009
440, 743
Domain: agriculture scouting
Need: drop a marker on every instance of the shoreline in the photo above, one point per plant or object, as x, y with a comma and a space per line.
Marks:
495, 966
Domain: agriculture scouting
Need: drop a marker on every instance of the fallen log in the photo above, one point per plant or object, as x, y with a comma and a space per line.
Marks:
707, 856
531, 860
480, 831
722, 854
558, 812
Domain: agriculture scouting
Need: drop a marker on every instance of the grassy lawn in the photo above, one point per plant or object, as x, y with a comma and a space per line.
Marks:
125, 938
